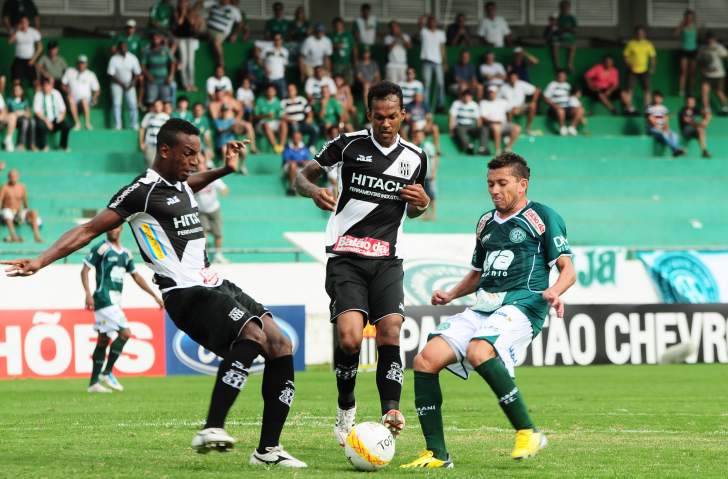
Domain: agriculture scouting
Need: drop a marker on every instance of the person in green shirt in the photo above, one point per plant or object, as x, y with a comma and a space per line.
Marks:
134, 42
158, 66
267, 113
183, 109
345, 50
277, 24
199, 119
329, 112
161, 19
516, 246
22, 119
688, 32
110, 262
566, 24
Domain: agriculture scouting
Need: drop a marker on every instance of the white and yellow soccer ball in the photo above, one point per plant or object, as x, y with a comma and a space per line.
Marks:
369, 446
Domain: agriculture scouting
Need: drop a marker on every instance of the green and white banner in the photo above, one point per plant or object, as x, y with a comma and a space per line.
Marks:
688, 276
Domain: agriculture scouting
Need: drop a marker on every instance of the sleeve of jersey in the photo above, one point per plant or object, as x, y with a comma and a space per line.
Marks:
479, 252
332, 152
92, 258
130, 267
557, 244
128, 200
423, 168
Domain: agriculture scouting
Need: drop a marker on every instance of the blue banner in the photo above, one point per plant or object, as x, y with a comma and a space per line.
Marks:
696, 277
185, 356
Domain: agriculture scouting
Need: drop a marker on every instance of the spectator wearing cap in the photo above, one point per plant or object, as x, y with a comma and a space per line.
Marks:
494, 29
50, 114
344, 52
151, 124
52, 65
458, 33
134, 42
218, 81
520, 63
465, 77
433, 57
187, 24
367, 73
465, 123
124, 70
82, 89
14, 10
315, 51
224, 22
516, 93
494, 112
277, 23
159, 66
275, 61
602, 82
397, 44
365, 26
28, 49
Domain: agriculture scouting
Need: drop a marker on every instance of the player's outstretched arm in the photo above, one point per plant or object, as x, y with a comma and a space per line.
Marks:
139, 280
566, 279
235, 152
72, 240
466, 286
306, 186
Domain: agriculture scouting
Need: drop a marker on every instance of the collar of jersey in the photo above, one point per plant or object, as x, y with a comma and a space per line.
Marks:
500, 221
153, 175
385, 150
111, 245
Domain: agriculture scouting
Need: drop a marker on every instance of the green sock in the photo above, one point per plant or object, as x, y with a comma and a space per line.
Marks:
509, 397
114, 353
428, 401
98, 357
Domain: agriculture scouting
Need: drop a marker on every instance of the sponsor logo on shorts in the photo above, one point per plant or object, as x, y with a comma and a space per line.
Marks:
443, 326
363, 246
517, 235
535, 220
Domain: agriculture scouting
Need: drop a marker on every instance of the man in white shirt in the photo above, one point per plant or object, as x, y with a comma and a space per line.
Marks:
82, 88
208, 205
365, 26
124, 71
515, 92
275, 61
151, 124
315, 51
28, 49
465, 122
494, 112
314, 84
558, 96
493, 28
491, 71
224, 21
50, 113
218, 79
433, 56
397, 44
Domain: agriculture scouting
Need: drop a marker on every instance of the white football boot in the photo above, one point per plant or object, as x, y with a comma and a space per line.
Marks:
212, 439
275, 456
98, 388
111, 381
345, 420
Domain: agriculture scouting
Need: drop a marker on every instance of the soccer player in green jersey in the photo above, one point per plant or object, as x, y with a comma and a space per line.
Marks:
110, 261
516, 246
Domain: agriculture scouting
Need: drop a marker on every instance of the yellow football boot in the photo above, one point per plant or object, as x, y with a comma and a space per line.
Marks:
427, 460
528, 443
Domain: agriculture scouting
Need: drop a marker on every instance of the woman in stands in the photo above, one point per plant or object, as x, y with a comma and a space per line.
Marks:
688, 32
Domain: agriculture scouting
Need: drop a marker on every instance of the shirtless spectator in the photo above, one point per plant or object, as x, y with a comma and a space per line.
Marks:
14, 208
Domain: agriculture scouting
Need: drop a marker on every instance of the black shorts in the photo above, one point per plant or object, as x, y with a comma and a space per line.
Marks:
372, 286
689, 131
689, 54
213, 317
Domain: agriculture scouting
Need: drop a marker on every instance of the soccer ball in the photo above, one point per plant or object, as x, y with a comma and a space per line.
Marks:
369, 446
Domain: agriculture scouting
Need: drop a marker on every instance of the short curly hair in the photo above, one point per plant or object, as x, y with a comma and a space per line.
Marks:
519, 166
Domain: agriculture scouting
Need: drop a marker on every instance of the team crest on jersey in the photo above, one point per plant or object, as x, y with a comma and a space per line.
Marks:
517, 235
404, 168
535, 220
482, 222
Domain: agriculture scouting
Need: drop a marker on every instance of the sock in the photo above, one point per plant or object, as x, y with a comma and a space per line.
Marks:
389, 377
509, 397
428, 403
114, 353
345, 367
98, 357
231, 377
278, 392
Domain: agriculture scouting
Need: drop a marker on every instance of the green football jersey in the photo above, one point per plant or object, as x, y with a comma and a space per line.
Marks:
343, 47
111, 265
263, 106
515, 257
187, 115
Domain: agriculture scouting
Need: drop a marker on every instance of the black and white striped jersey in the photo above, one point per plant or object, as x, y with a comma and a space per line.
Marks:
369, 213
164, 219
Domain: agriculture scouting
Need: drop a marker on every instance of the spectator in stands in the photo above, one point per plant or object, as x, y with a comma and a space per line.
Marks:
345, 97
15, 209
551, 35
328, 111
314, 84
223, 97
465, 77
345, 51
224, 22
491, 71
493, 28
298, 116
367, 73
687, 30
522, 60
433, 162
14, 10
365, 26
168, 108
300, 28
151, 123
457, 32
134, 41
20, 117
28, 49
557, 95
641, 59
516, 92
397, 44
158, 66
52, 65
208, 205
255, 69
315, 51
713, 71
494, 112
465, 123
227, 126
268, 116
602, 82
50, 114
199, 119
658, 124
6, 119
419, 117
82, 89
246, 97
218, 79
183, 109
566, 23
411, 87
161, 17
187, 24
690, 127
433, 56
124, 70
275, 60
295, 157
277, 24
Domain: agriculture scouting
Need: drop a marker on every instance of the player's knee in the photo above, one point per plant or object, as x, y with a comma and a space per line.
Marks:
253, 332
125, 334
480, 352
422, 364
350, 343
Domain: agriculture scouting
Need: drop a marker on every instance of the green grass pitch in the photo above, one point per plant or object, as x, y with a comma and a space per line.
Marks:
602, 421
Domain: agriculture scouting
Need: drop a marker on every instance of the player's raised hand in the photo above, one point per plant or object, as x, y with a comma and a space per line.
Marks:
235, 152
440, 298
21, 267
415, 195
324, 199
554, 301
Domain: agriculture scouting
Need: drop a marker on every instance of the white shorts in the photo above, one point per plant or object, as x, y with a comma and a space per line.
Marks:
18, 217
507, 329
111, 318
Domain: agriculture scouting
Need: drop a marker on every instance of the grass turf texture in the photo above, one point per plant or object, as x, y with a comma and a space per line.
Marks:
602, 421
